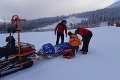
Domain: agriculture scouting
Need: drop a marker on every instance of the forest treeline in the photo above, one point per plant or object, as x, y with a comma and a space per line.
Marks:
91, 17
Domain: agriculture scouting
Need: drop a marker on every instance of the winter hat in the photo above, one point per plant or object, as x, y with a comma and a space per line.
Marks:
69, 33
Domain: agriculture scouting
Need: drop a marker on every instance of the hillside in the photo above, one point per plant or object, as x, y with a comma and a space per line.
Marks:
116, 4
1, 20
70, 21
101, 62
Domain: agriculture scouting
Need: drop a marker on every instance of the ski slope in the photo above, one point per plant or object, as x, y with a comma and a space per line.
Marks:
101, 63
70, 20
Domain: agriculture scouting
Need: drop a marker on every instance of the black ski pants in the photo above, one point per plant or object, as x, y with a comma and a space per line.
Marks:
74, 49
86, 41
58, 37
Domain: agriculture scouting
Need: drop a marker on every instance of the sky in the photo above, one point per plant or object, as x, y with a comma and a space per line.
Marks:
34, 9
101, 63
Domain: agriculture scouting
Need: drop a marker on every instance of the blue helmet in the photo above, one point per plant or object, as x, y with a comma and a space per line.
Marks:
64, 22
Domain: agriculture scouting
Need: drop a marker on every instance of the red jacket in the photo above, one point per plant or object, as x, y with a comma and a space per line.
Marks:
60, 28
83, 32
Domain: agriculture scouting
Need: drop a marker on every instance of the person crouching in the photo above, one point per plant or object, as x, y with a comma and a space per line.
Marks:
74, 42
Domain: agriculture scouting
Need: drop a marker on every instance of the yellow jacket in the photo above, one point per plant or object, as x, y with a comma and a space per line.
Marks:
74, 40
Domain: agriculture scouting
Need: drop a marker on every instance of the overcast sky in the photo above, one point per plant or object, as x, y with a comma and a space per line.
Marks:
34, 9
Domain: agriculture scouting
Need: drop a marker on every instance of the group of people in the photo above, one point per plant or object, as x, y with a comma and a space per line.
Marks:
60, 31
74, 41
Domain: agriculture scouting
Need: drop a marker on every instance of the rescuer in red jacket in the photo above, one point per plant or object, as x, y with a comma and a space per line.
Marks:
60, 28
86, 35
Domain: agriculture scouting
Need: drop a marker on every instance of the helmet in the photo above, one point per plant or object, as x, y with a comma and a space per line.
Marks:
69, 33
64, 22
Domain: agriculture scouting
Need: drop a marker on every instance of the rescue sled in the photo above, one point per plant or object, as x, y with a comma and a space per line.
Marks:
49, 51
23, 55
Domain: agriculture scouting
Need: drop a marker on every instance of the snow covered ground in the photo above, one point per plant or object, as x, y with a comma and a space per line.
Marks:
101, 63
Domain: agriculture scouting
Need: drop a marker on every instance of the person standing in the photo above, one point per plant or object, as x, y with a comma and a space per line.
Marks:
86, 37
59, 29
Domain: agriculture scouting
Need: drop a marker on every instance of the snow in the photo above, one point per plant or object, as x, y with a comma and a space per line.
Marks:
101, 63
1, 20
74, 20
69, 20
